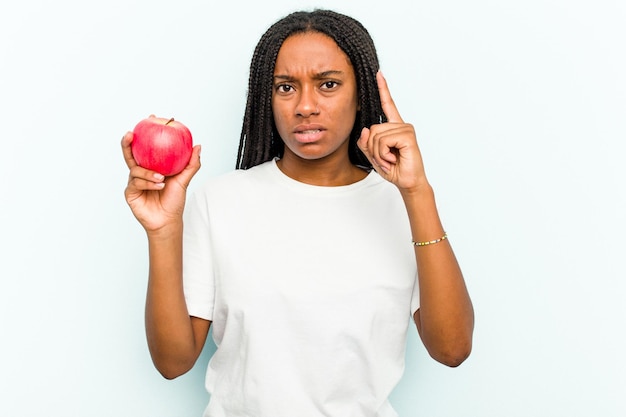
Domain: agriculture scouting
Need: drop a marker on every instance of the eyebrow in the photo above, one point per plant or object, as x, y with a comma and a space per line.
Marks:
318, 76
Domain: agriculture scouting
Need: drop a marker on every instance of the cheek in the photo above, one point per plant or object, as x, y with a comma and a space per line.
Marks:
279, 120
347, 112
349, 104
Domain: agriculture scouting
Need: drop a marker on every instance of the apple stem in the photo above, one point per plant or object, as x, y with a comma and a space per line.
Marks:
170, 121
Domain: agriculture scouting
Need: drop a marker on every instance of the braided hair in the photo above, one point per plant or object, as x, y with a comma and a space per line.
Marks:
259, 141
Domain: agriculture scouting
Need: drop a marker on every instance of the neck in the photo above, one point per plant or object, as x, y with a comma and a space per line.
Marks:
322, 172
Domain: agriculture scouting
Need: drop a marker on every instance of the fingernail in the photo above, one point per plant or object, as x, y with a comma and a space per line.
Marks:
159, 177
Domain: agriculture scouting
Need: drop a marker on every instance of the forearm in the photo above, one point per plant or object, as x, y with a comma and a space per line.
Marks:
168, 325
445, 318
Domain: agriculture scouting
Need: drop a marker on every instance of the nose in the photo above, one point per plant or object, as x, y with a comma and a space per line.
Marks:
307, 102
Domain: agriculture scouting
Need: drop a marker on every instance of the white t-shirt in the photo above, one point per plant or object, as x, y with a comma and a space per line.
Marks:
310, 291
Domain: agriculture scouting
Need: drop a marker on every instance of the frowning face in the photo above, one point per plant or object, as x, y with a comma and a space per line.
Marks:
314, 97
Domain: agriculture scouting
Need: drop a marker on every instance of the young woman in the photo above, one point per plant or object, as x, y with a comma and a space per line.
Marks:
310, 259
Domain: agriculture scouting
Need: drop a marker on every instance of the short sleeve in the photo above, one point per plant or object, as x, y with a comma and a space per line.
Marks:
198, 277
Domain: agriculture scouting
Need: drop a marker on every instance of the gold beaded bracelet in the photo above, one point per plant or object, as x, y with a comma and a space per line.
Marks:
431, 242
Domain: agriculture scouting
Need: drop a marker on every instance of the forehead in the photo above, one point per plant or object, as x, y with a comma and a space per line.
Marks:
310, 50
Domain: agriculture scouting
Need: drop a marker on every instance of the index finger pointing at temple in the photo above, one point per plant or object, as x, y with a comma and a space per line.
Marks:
389, 107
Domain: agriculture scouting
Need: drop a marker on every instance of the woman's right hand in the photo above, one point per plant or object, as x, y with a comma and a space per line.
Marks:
155, 200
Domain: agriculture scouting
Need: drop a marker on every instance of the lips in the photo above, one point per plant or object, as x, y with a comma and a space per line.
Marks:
308, 133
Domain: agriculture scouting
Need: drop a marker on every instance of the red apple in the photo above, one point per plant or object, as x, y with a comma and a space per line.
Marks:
162, 145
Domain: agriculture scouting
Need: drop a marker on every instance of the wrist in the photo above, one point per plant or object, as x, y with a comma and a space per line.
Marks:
419, 192
423, 214
167, 231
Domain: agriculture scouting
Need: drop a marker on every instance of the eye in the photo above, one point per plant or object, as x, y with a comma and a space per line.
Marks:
284, 88
329, 85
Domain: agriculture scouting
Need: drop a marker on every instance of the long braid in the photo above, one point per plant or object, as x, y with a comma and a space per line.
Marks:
259, 139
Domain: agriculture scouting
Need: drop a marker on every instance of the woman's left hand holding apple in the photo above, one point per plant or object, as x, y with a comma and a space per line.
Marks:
156, 201
174, 338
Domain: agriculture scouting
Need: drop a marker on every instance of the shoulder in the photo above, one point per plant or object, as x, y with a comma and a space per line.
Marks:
238, 178
235, 185
376, 184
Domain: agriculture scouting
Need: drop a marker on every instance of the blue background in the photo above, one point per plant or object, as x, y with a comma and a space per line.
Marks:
519, 107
